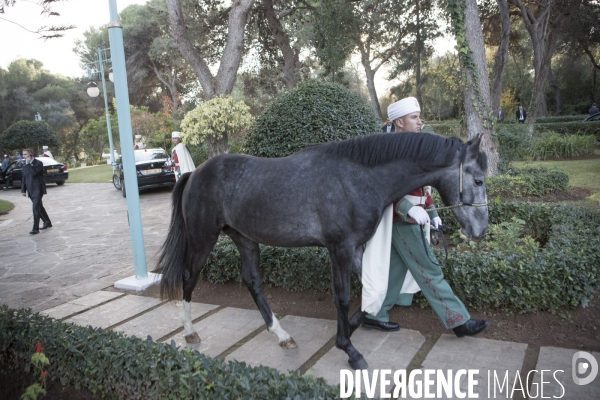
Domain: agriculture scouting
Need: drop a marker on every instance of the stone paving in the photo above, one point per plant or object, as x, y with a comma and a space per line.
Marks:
62, 273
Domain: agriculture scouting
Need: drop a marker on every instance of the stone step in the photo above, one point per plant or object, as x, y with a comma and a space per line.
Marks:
222, 330
382, 350
452, 353
115, 311
310, 334
553, 359
161, 321
81, 304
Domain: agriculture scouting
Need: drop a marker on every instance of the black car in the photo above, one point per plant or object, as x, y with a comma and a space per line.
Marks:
595, 117
153, 169
54, 172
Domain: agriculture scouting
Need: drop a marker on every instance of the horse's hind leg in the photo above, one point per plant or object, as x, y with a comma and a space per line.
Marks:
342, 258
250, 253
198, 254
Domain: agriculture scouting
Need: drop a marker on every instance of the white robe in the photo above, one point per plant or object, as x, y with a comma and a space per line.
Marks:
48, 154
185, 162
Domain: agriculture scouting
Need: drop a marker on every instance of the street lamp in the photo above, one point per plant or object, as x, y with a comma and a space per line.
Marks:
96, 69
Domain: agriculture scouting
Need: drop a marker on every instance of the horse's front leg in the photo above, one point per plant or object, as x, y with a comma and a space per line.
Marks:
250, 252
342, 260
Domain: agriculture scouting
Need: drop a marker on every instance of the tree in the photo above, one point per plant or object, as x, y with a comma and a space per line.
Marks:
45, 32
215, 121
479, 116
501, 57
198, 56
28, 134
545, 21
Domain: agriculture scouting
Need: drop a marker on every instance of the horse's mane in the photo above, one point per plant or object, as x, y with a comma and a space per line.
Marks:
382, 148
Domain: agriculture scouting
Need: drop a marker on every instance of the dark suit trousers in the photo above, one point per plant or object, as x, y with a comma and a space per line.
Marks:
39, 212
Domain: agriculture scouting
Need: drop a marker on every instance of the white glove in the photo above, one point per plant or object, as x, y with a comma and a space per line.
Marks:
436, 222
419, 215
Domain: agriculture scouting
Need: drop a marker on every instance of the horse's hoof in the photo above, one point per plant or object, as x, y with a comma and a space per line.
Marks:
192, 338
288, 344
359, 364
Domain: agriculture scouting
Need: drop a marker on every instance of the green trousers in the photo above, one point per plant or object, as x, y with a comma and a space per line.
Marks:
408, 254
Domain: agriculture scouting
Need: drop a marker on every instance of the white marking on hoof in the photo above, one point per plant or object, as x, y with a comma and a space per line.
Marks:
192, 338
288, 344
285, 340
186, 318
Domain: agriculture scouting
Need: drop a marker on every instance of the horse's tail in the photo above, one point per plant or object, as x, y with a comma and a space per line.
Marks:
173, 253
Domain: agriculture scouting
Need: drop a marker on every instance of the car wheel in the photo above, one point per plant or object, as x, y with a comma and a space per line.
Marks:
60, 183
123, 188
116, 182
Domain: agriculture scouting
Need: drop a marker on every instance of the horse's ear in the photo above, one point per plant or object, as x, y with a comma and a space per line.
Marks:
473, 146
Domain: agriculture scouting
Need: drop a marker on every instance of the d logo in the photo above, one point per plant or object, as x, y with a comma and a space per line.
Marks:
581, 368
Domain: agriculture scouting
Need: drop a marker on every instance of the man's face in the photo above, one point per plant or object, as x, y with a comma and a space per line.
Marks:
176, 140
26, 155
388, 121
410, 123
520, 107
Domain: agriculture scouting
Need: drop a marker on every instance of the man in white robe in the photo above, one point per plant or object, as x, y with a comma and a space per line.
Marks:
47, 152
139, 145
181, 156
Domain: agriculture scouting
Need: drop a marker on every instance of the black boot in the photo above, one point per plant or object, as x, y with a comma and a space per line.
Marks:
471, 328
382, 326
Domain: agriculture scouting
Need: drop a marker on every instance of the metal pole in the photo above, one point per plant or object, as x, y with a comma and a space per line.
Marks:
115, 33
108, 126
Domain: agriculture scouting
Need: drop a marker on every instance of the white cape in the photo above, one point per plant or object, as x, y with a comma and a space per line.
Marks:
186, 164
376, 266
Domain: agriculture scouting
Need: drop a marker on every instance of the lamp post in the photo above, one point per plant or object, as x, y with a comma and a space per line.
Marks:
96, 68
142, 278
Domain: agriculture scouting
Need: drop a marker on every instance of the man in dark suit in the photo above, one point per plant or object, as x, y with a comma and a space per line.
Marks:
33, 184
388, 127
521, 115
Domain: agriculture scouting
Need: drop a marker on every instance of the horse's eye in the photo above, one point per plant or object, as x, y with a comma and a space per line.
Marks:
478, 182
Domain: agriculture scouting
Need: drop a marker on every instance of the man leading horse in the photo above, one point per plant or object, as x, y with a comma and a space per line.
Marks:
412, 261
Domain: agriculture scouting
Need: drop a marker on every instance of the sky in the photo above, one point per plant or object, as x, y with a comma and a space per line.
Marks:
56, 54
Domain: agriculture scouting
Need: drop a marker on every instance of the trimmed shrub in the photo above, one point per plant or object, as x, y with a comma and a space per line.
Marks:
513, 140
571, 128
562, 118
110, 364
554, 145
312, 112
528, 181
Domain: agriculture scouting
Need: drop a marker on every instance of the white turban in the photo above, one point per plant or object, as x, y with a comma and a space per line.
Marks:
403, 107
175, 134
45, 147
138, 136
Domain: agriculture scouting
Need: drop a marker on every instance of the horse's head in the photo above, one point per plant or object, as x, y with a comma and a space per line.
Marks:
465, 186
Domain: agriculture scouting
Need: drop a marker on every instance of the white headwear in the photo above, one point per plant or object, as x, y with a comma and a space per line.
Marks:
45, 147
138, 136
175, 134
403, 107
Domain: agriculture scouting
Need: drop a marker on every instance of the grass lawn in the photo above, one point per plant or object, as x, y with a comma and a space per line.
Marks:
5, 206
95, 174
583, 174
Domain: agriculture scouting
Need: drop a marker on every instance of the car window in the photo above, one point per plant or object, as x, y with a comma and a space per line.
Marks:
150, 155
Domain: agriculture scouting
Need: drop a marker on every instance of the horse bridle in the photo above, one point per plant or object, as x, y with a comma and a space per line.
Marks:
459, 204
460, 191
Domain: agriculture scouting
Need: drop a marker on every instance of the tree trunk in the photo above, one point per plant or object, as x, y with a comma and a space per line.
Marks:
291, 63
370, 74
544, 30
557, 92
222, 83
418, 48
501, 58
476, 92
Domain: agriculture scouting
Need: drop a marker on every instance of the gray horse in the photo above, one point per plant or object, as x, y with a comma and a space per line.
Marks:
331, 195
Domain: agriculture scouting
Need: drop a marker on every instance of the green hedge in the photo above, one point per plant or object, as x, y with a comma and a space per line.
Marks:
528, 181
570, 128
112, 365
563, 273
448, 128
562, 118
312, 112
567, 262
